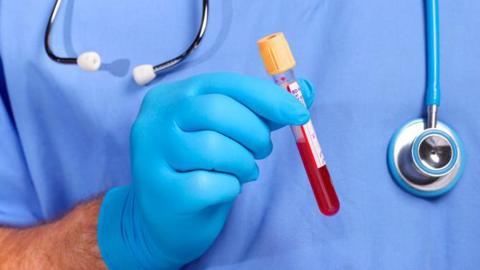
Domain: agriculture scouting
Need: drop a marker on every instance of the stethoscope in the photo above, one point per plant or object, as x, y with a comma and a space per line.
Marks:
143, 74
425, 156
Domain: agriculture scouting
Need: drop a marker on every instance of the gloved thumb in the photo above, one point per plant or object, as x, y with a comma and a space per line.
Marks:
308, 91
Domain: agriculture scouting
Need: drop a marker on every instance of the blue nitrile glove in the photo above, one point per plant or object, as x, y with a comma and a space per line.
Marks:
193, 145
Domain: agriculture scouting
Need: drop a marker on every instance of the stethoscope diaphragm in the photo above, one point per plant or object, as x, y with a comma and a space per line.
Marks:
424, 161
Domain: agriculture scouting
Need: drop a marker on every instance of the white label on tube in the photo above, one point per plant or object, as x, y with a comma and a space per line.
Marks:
313, 144
308, 130
294, 89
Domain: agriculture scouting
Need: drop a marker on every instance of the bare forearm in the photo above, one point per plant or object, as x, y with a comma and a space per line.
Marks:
69, 243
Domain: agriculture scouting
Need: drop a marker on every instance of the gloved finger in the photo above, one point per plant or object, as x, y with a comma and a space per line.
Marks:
225, 115
200, 189
308, 92
211, 151
262, 97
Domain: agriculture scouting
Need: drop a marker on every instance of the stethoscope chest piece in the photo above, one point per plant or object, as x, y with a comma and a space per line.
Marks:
426, 162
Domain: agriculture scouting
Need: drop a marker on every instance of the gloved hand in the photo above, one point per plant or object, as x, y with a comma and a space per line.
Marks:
193, 145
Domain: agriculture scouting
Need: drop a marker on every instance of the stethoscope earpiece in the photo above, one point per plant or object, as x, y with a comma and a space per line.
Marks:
89, 61
144, 74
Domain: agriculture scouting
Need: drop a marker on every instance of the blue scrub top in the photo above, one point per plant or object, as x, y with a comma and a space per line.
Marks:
64, 132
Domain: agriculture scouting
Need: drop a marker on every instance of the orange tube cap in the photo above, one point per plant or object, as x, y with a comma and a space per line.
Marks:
276, 54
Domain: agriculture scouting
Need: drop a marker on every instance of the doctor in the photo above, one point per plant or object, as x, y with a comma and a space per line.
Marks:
98, 172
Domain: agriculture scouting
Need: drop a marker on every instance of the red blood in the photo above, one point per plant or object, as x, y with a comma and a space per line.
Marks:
320, 181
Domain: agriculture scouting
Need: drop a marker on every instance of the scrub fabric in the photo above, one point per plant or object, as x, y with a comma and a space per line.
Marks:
64, 132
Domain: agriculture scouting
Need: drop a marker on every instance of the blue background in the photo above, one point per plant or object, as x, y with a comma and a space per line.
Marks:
66, 138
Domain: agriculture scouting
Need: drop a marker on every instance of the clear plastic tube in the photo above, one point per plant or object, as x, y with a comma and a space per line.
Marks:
279, 62
311, 152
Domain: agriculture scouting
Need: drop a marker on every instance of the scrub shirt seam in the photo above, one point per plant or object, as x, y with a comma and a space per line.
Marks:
38, 212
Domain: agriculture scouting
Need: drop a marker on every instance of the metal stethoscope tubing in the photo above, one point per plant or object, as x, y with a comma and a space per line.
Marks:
425, 157
143, 74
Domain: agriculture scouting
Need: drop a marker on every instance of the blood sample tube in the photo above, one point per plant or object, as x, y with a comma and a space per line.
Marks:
279, 63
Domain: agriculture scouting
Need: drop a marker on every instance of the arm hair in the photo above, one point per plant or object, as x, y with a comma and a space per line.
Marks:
69, 243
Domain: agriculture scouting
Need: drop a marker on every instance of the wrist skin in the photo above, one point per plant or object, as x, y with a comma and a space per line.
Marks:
68, 243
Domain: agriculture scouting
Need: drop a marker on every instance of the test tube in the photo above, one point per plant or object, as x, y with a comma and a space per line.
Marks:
279, 62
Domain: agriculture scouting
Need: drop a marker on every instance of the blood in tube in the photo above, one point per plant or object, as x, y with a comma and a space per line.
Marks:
279, 63
313, 160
